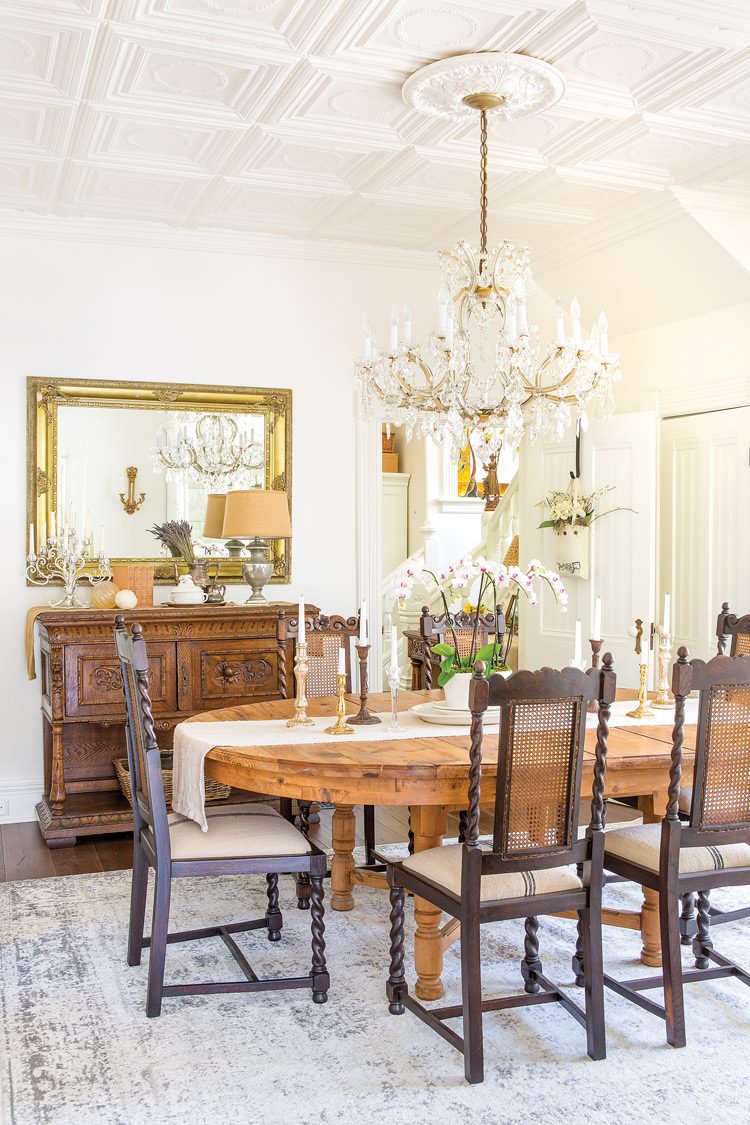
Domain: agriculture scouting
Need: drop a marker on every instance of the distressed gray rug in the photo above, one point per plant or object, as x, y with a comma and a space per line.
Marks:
78, 1048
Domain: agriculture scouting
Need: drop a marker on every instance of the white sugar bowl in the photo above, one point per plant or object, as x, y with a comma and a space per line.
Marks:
187, 593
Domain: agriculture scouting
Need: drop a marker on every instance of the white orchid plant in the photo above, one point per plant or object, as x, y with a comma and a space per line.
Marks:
455, 586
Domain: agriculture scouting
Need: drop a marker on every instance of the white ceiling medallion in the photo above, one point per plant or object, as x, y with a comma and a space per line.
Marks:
428, 28
523, 84
615, 60
185, 76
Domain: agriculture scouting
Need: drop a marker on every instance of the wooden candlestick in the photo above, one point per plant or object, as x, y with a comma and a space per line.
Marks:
340, 726
363, 716
593, 704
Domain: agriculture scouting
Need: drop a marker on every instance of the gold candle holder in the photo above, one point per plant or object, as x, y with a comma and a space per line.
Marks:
363, 716
340, 726
300, 717
641, 711
664, 699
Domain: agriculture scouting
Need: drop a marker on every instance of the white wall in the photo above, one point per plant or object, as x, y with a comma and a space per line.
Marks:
114, 312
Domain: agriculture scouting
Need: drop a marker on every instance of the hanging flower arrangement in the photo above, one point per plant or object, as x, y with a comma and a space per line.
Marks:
570, 514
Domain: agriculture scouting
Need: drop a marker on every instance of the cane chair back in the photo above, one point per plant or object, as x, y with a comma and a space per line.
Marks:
459, 630
737, 629
325, 636
540, 754
721, 773
148, 805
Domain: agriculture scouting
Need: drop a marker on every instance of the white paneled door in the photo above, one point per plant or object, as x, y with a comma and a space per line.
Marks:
705, 521
621, 452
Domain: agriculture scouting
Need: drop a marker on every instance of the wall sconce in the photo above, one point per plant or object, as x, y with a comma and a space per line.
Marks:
129, 502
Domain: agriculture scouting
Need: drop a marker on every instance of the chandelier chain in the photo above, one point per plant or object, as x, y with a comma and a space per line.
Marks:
483, 153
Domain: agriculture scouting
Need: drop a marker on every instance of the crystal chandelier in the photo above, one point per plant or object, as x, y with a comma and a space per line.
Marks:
485, 367
209, 448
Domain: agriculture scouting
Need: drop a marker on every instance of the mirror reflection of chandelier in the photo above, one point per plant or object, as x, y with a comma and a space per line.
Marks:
484, 366
210, 449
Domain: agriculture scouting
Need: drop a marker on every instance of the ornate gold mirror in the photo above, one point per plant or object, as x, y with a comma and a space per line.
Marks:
126, 456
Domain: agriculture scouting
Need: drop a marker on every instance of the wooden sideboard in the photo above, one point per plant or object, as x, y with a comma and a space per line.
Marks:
200, 658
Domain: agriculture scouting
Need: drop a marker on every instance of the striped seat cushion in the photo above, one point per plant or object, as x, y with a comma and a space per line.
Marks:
443, 866
641, 844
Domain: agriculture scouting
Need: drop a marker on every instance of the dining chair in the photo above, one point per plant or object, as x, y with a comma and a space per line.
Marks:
324, 637
529, 869
737, 629
241, 840
456, 630
711, 849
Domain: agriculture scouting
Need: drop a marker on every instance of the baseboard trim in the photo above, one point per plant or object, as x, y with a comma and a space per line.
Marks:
22, 795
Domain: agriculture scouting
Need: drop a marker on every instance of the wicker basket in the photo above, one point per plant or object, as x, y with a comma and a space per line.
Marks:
214, 791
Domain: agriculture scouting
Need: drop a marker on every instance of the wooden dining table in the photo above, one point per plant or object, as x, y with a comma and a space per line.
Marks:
429, 775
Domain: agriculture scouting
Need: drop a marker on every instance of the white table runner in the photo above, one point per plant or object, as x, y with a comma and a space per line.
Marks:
192, 741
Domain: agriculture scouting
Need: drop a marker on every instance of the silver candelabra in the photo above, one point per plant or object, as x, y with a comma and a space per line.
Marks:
65, 557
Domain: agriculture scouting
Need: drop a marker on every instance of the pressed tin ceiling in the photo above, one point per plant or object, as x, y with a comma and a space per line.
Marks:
254, 118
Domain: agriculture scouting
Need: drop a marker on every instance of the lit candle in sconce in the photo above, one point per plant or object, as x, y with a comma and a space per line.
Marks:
575, 313
603, 326
560, 324
363, 623
596, 634
406, 322
394, 332
342, 661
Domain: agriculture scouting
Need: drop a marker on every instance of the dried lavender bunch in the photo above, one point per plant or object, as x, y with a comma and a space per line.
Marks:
177, 537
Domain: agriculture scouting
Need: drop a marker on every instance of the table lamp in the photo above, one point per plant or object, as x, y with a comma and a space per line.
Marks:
259, 515
213, 524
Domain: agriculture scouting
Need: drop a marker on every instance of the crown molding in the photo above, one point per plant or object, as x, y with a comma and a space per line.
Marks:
213, 241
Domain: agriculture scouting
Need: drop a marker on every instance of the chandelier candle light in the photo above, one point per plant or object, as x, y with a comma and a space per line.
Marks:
485, 366
67, 557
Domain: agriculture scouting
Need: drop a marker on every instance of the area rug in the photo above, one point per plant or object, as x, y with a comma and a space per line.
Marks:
78, 1048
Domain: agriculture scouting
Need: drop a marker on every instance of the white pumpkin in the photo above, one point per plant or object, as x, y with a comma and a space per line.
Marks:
125, 599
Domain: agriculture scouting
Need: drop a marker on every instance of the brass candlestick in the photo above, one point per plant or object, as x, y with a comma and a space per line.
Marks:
641, 711
300, 718
363, 716
593, 704
340, 726
663, 697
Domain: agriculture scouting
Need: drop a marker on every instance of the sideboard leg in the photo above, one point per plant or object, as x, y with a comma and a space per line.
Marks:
342, 865
429, 824
652, 806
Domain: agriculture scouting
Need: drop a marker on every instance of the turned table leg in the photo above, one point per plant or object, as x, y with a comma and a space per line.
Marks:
429, 825
342, 864
652, 807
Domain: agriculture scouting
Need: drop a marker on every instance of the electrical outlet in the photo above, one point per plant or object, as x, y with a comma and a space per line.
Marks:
4, 806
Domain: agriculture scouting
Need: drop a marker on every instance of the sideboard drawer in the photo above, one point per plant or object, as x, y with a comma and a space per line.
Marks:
224, 673
93, 683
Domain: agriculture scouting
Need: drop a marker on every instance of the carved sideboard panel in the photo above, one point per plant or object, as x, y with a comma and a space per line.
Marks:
199, 659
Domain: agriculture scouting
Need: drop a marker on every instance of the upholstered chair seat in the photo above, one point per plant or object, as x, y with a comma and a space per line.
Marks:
243, 834
641, 845
443, 866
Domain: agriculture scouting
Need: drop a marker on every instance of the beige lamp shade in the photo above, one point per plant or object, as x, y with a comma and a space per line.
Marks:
213, 523
257, 511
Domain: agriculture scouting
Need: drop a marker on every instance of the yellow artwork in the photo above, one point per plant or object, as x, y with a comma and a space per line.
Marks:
467, 470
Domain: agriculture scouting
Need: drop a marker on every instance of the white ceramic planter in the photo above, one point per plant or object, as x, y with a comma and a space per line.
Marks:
457, 691
572, 551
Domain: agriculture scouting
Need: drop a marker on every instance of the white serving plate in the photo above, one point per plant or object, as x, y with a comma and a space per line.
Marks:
446, 716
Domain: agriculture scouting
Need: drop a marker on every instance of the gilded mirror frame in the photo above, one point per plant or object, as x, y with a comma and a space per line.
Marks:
45, 396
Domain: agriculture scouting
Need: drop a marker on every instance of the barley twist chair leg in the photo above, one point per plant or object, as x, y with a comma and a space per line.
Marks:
273, 914
463, 825
687, 919
303, 879
577, 958
702, 943
319, 971
531, 965
396, 988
